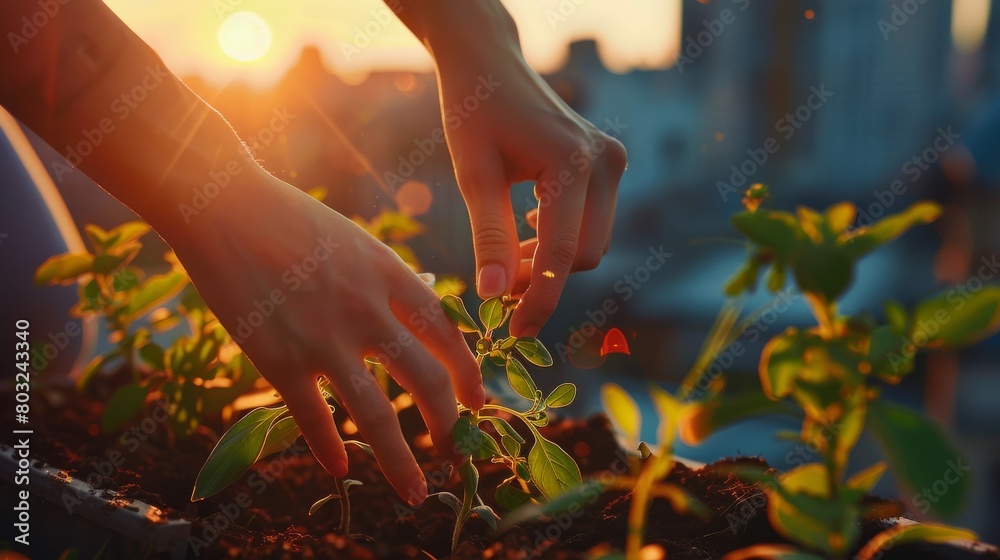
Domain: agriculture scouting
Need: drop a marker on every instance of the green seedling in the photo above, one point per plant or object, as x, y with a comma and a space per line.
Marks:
198, 374
548, 471
830, 375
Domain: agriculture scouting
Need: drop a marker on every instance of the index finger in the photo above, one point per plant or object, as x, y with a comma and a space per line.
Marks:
562, 198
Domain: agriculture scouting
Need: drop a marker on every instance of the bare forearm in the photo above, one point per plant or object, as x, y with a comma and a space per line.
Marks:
461, 34
100, 96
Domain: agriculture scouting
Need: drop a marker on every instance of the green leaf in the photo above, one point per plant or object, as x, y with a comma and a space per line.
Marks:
866, 479
236, 451
487, 449
468, 437
521, 470
93, 368
450, 500
123, 405
561, 396
64, 269
823, 270
487, 514
125, 233
840, 216
155, 291
575, 498
519, 379
152, 354
553, 471
920, 455
771, 552
510, 445
781, 362
954, 319
470, 478
362, 446
491, 313
669, 409
322, 502
896, 316
777, 230
891, 227
533, 351
280, 437
623, 412
510, 497
698, 421
503, 428
902, 534
455, 310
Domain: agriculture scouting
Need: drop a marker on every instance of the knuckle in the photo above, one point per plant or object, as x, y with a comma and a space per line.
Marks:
562, 249
616, 155
589, 259
375, 419
490, 237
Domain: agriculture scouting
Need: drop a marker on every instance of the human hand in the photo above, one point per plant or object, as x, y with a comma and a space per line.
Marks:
306, 293
521, 131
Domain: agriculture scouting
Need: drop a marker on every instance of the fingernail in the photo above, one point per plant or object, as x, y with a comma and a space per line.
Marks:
492, 281
478, 397
419, 493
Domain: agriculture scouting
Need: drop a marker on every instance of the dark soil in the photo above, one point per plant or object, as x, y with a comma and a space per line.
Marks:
264, 515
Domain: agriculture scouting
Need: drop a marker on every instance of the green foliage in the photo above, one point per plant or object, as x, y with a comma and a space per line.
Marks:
199, 374
831, 374
548, 471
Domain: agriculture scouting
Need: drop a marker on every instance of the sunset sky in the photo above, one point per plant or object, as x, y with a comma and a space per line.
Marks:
256, 40
357, 36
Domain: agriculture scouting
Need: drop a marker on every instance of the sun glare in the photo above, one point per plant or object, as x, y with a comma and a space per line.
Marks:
244, 36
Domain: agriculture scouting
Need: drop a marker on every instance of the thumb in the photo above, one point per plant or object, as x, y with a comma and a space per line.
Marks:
494, 233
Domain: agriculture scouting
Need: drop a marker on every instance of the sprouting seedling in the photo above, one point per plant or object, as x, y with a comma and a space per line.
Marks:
548, 471
261, 433
647, 474
831, 374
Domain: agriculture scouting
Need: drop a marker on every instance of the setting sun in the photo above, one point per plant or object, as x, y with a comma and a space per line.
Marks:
244, 36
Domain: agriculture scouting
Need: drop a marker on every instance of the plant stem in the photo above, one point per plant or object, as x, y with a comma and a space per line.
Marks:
345, 507
469, 478
639, 505
824, 313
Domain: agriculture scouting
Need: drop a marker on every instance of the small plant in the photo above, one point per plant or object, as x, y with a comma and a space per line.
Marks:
548, 471
831, 374
198, 374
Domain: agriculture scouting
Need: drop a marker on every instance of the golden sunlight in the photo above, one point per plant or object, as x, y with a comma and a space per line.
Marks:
244, 36
968, 23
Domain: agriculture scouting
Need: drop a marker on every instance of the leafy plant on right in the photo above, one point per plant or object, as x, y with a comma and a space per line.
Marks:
831, 373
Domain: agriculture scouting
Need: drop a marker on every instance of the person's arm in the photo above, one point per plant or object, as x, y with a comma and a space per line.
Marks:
304, 290
504, 125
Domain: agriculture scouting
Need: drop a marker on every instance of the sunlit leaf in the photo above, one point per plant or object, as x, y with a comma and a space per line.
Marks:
125, 233
64, 269
771, 552
866, 479
503, 428
123, 405
701, 420
280, 437
155, 291
669, 410
322, 502
622, 410
573, 498
902, 534
468, 437
840, 216
533, 351
236, 451
519, 379
450, 500
777, 230
885, 230
561, 396
510, 497
455, 310
487, 449
491, 313
553, 471
955, 319
920, 454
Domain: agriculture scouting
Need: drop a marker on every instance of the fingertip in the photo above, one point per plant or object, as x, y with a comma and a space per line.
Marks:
417, 492
492, 281
478, 398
